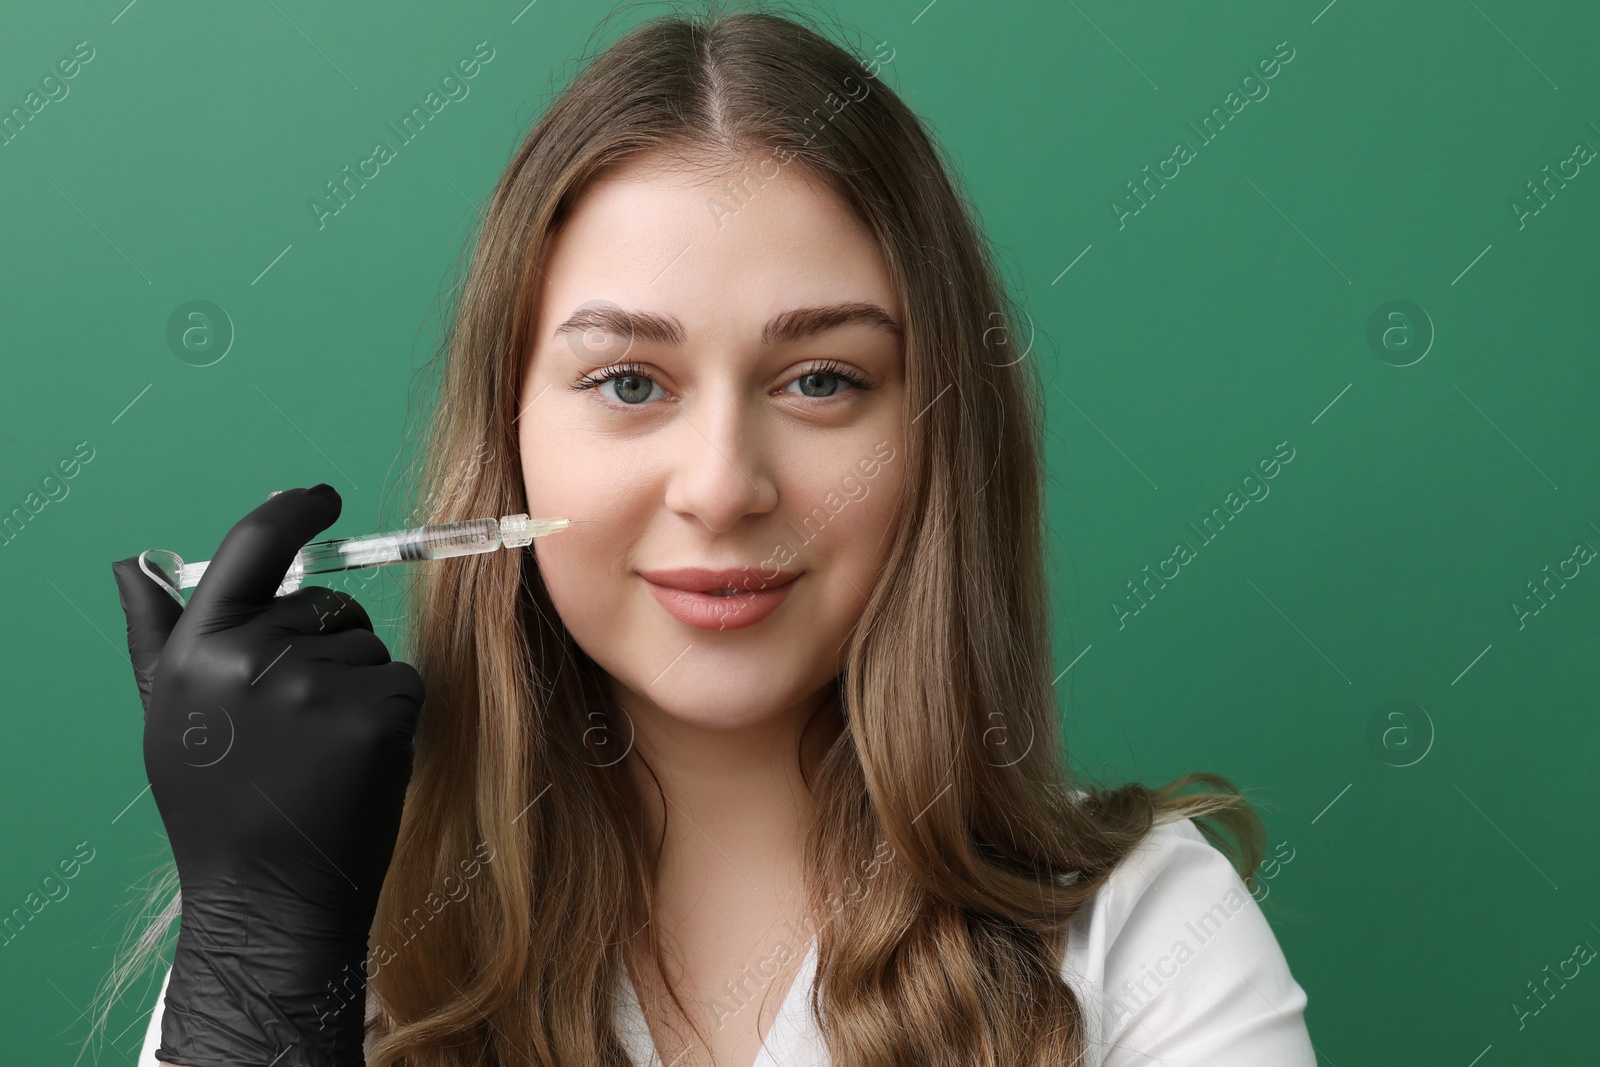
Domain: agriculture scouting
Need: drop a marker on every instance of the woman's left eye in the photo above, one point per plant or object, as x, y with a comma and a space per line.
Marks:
825, 382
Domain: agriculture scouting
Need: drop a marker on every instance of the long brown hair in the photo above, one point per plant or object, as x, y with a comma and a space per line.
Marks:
946, 816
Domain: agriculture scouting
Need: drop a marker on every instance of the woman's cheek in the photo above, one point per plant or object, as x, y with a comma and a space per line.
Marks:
553, 493
868, 521
560, 477
585, 566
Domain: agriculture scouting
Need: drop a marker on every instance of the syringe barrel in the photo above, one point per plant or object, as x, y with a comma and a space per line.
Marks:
427, 542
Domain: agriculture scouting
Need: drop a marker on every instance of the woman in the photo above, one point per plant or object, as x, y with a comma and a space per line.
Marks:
767, 753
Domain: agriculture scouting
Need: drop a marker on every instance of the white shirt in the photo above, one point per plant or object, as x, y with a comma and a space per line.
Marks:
1173, 962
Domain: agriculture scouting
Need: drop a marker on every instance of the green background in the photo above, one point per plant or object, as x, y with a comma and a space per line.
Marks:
1444, 848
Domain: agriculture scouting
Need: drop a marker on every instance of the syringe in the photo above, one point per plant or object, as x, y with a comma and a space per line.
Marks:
440, 541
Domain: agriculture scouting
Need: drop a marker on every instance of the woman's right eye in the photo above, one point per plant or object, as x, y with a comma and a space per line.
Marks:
622, 385
630, 388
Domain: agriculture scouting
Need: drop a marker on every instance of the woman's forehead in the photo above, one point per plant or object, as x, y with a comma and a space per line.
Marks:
672, 242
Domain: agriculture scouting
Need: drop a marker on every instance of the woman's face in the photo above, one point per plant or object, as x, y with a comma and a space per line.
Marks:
716, 379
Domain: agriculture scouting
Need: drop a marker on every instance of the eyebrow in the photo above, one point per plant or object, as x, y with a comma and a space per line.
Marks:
658, 327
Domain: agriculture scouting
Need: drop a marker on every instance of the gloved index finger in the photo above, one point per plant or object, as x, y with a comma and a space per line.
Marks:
257, 552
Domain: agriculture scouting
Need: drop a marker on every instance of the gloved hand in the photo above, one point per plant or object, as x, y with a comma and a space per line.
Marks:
278, 744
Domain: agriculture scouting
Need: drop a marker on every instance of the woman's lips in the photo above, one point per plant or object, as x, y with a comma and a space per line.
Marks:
707, 611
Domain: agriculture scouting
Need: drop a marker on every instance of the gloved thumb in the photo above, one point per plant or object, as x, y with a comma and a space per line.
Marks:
151, 614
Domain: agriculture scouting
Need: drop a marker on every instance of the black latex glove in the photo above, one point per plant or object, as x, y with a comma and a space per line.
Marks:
278, 744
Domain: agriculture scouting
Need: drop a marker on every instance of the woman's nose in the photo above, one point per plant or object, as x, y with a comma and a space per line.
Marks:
720, 469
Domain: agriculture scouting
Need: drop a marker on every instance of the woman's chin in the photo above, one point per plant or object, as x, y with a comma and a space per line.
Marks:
727, 699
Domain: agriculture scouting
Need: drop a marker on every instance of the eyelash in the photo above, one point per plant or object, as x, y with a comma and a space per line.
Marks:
832, 368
